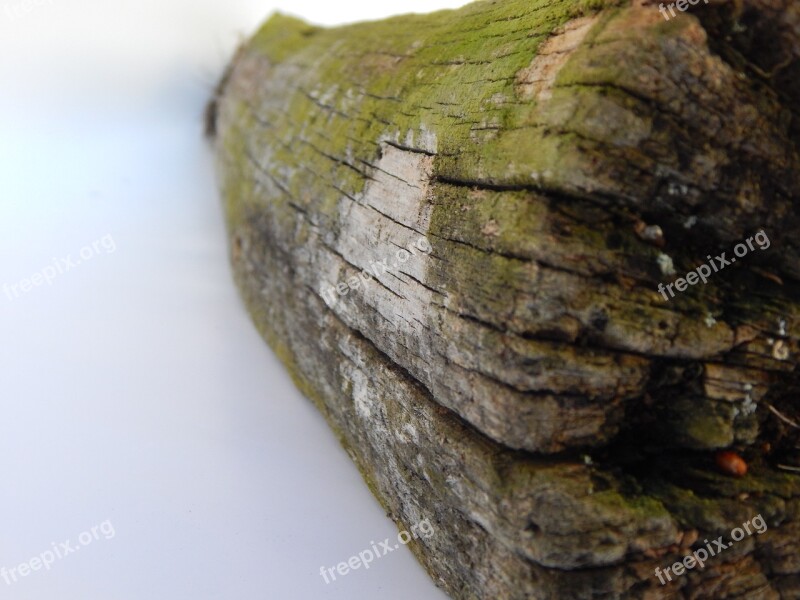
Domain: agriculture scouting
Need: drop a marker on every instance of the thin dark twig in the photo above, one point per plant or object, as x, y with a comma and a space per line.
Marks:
782, 417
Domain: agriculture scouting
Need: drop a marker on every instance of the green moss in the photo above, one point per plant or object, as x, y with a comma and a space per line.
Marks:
390, 79
282, 36
641, 508
691, 510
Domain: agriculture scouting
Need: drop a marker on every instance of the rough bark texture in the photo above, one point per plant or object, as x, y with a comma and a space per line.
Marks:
521, 381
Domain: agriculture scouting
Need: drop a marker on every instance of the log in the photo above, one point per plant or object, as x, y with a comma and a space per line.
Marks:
468, 236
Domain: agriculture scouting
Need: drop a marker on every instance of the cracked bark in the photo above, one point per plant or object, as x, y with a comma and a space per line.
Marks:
523, 384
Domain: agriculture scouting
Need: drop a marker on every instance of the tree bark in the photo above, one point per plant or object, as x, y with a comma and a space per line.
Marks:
452, 229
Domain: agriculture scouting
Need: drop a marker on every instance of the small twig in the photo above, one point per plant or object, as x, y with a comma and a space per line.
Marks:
767, 275
788, 468
782, 417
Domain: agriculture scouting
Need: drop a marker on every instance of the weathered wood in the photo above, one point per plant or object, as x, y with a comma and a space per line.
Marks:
517, 375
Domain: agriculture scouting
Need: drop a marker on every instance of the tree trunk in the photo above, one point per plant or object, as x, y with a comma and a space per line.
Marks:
452, 229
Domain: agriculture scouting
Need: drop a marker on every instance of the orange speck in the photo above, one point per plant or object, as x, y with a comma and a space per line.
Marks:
731, 463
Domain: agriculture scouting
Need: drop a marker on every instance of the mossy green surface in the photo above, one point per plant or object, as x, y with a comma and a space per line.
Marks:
396, 79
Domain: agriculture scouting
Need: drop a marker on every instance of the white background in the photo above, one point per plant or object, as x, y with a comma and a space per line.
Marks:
134, 387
